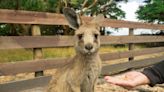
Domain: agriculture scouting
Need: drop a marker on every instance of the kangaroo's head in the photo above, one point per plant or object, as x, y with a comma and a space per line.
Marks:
87, 35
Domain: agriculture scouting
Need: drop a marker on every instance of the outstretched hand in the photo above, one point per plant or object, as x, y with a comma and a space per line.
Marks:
128, 80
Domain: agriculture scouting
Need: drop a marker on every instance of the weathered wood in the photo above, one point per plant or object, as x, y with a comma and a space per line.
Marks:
132, 53
30, 17
14, 42
18, 86
31, 66
130, 24
34, 42
37, 52
111, 69
131, 45
39, 65
130, 39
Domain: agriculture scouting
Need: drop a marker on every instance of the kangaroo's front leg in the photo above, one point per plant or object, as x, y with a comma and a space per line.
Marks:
89, 82
88, 85
75, 87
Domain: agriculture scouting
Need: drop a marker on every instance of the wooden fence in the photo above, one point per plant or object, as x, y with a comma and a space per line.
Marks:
37, 42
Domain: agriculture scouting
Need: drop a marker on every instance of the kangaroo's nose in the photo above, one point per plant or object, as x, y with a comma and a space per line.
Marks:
88, 46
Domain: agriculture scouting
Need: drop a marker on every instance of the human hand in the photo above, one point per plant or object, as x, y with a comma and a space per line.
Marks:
128, 80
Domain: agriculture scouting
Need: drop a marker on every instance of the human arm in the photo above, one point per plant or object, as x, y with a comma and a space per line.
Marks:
155, 73
152, 75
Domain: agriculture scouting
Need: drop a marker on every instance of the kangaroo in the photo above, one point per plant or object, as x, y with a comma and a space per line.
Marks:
81, 73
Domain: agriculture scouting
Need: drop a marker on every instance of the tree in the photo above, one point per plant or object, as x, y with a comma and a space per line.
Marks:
92, 7
108, 8
153, 11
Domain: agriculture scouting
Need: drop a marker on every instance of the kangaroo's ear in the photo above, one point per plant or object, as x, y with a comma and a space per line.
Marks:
72, 18
98, 19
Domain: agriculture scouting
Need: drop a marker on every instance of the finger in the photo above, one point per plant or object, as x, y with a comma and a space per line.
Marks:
112, 80
106, 77
120, 82
115, 77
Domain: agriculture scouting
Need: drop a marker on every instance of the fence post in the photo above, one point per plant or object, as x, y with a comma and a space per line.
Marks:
37, 52
131, 45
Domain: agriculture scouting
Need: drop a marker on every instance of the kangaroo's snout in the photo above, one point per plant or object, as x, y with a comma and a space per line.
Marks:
89, 46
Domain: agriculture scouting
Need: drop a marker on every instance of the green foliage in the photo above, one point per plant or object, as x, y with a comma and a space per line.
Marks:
34, 5
51, 5
9, 30
153, 11
4, 28
8, 4
31, 5
111, 11
76, 2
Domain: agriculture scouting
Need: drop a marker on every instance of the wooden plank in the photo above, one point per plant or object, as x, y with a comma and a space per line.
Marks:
31, 66
111, 69
13, 42
130, 39
38, 65
31, 17
18, 86
126, 54
130, 24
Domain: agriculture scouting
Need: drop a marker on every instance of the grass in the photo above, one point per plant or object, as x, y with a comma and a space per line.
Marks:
15, 55
27, 54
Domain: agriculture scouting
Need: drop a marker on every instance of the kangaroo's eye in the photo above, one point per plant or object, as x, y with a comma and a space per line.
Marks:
96, 36
80, 36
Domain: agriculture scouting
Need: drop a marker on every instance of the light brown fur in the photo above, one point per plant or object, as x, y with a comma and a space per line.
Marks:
81, 73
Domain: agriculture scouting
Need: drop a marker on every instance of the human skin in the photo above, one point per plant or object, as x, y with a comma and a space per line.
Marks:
128, 80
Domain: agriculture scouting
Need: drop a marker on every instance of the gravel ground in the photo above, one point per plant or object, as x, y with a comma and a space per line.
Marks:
112, 88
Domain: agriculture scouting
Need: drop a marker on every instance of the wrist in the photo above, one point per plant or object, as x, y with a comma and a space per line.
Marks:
145, 79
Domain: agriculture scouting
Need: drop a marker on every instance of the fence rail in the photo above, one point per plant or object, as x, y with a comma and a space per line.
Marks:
31, 17
130, 65
63, 41
131, 53
22, 85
